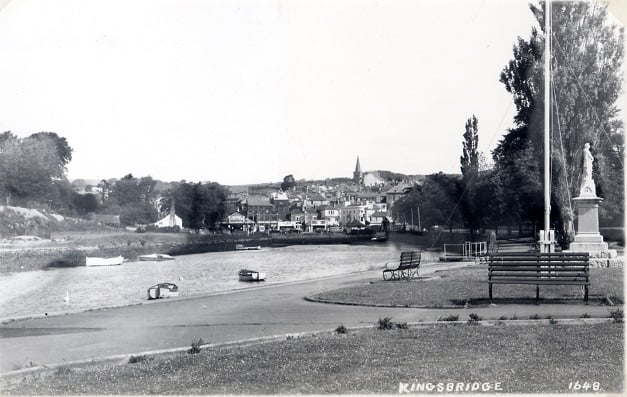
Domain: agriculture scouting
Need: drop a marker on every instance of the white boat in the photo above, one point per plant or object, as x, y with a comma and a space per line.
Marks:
242, 247
163, 290
251, 275
155, 257
94, 261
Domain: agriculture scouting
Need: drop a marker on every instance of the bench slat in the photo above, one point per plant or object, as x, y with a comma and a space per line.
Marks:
538, 274
540, 282
499, 268
540, 269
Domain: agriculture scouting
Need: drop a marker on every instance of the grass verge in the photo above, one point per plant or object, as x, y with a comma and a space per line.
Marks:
457, 287
523, 359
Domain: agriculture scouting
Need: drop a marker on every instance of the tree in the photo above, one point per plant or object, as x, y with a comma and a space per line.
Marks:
437, 199
583, 110
288, 182
470, 172
470, 152
199, 205
31, 167
84, 203
134, 200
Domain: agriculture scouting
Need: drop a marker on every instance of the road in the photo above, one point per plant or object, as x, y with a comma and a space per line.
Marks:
256, 312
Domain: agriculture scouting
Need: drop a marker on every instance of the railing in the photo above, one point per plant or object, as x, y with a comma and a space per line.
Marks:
467, 250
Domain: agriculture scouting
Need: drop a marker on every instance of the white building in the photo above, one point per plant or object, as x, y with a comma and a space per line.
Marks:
353, 213
171, 220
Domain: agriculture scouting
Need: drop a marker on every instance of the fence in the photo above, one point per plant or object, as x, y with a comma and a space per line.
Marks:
467, 250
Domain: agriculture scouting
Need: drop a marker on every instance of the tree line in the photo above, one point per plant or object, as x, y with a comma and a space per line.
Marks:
33, 174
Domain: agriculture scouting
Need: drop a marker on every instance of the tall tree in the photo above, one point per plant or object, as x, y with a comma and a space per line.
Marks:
586, 74
470, 171
470, 152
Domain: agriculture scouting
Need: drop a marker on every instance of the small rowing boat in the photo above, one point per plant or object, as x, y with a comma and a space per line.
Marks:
155, 257
93, 261
242, 247
163, 290
251, 275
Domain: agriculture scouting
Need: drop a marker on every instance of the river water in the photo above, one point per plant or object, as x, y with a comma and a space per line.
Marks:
38, 292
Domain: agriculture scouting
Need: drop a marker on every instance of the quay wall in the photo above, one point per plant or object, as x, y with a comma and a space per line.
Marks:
429, 239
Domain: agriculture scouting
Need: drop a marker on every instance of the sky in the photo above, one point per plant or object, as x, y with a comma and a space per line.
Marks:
243, 91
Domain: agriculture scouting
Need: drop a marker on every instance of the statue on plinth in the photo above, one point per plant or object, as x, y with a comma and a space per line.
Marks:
587, 189
587, 238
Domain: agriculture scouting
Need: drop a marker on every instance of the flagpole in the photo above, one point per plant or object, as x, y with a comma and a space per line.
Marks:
547, 126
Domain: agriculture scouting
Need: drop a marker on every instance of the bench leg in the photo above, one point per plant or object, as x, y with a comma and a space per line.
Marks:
585, 296
537, 294
490, 292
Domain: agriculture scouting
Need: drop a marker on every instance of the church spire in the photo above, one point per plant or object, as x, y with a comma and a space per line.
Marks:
357, 166
357, 174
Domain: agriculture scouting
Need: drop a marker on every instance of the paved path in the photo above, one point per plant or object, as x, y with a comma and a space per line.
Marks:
257, 312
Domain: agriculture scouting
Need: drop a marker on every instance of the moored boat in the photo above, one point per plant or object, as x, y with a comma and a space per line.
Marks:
163, 290
94, 261
242, 247
251, 275
380, 236
155, 257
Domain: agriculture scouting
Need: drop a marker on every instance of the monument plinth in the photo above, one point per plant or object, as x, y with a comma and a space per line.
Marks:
587, 238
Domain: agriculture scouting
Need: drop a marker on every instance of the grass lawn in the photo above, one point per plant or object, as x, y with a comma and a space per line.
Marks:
521, 358
452, 288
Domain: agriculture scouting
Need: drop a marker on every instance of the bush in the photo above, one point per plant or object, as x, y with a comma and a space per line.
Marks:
196, 344
386, 323
156, 229
617, 315
585, 315
503, 318
137, 359
452, 317
534, 317
341, 329
474, 319
402, 325
63, 371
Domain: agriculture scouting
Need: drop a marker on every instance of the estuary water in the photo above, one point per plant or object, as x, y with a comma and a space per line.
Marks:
38, 292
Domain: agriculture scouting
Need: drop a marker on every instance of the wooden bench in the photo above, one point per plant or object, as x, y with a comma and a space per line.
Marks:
540, 269
407, 267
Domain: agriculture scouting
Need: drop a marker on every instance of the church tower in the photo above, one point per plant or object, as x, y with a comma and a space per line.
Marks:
358, 176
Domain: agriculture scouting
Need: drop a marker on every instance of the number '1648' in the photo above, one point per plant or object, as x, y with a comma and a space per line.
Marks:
584, 386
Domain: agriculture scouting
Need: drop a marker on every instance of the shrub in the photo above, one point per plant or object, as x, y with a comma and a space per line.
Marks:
341, 329
196, 344
585, 315
514, 317
402, 325
137, 359
617, 315
474, 319
534, 317
452, 317
386, 323
63, 371
552, 321
503, 318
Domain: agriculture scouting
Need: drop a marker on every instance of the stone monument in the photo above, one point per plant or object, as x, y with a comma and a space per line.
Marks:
587, 238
